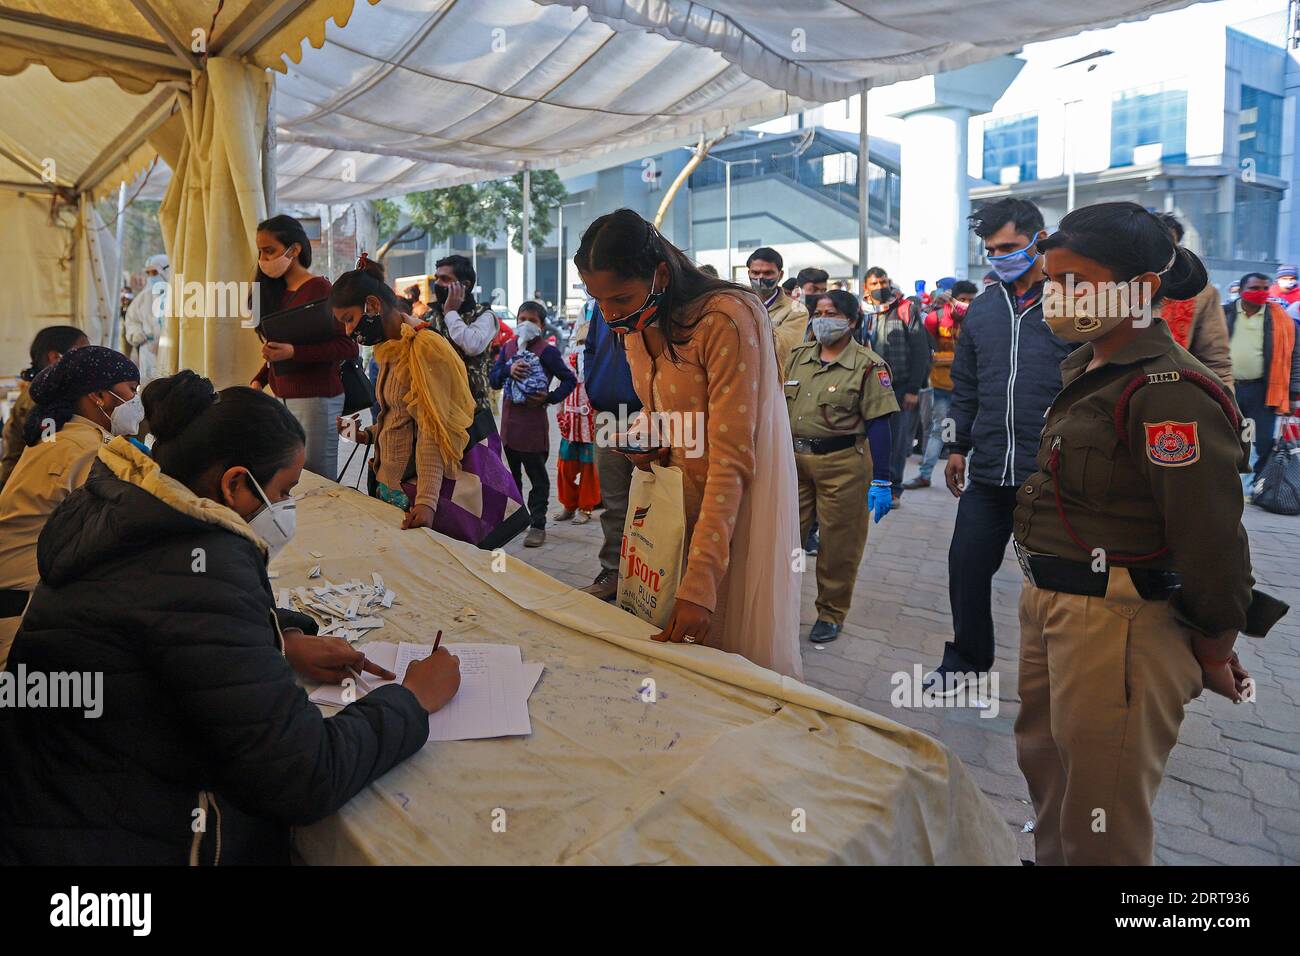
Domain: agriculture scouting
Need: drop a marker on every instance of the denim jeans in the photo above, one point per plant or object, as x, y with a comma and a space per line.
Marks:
939, 407
1250, 399
317, 418
904, 436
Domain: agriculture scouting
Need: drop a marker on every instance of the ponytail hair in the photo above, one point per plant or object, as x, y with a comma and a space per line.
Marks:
627, 245
367, 279
1130, 241
52, 338
196, 427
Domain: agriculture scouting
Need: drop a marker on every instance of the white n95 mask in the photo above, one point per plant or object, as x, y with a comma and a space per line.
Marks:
274, 523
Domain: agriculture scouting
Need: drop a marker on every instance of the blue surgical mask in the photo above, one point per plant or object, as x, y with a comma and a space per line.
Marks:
1014, 264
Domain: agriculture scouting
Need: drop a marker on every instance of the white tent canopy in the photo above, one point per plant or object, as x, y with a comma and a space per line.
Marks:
401, 95
826, 50
416, 94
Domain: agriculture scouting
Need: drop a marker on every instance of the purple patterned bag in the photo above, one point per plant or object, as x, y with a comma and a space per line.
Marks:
481, 506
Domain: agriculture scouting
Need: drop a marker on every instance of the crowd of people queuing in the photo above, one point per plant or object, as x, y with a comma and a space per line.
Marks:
1073, 426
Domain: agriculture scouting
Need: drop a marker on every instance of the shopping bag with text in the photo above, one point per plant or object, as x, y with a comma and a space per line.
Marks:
654, 538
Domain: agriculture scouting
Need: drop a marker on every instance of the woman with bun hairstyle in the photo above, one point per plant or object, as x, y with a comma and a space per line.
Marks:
47, 348
153, 575
79, 401
701, 350
1129, 535
425, 405
306, 376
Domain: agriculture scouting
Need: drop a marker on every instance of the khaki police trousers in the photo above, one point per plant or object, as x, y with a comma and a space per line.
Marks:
834, 488
1103, 684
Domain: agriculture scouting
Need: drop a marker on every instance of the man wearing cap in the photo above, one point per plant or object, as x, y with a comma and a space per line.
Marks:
1285, 287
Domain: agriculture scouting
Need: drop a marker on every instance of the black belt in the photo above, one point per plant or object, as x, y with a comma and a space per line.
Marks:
13, 602
1051, 573
823, 446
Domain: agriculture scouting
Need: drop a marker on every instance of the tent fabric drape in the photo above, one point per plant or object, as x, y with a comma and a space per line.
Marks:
40, 246
827, 51
209, 216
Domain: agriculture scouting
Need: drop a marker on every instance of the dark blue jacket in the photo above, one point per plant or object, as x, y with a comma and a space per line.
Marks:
608, 376
1005, 374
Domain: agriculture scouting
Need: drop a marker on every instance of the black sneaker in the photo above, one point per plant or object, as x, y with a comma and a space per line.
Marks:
823, 632
947, 682
814, 541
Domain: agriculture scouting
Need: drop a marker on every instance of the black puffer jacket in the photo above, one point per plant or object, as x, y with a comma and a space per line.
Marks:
166, 594
1005, 374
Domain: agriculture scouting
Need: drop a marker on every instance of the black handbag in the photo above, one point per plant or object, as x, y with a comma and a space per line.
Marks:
1278, 488
358, 393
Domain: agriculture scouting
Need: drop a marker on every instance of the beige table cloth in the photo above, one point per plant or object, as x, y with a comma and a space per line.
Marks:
731, 763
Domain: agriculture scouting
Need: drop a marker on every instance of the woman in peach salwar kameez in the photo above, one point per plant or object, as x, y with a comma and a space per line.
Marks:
700, 347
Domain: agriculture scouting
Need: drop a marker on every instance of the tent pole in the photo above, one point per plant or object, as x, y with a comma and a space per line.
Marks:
526, 203
268, 149
864, 192
75, 318
120, 228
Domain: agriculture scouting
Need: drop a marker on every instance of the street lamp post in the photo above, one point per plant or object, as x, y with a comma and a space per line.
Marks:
559, 256
1067, 141
728, 163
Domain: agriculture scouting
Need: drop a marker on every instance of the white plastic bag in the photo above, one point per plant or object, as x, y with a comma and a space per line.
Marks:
654, 540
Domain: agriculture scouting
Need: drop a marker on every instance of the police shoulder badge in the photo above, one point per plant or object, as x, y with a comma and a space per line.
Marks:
883, 375
1172, 444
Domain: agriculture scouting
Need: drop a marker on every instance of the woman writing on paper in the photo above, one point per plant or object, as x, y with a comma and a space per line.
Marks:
701, 350
153, 579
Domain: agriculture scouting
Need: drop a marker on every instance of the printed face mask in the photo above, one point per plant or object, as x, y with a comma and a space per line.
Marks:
279, 266
1014, 264
275, 523
370, 330
638, 320
762, 285
959, 308
829, 329
1087, 317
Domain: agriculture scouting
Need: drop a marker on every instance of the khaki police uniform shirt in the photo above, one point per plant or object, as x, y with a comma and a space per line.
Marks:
1171, 478
47, 473
838, 398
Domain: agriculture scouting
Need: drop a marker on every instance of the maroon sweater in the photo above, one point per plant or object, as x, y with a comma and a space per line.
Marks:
313, 372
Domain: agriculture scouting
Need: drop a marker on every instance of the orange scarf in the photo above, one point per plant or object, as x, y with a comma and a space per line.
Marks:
1178, 314
1278, 388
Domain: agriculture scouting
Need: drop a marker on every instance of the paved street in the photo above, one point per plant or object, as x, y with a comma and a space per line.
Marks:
1232, 791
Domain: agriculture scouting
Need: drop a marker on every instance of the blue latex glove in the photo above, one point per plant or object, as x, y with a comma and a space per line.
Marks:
879, 499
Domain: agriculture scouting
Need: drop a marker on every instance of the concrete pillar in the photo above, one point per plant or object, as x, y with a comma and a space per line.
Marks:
934, 200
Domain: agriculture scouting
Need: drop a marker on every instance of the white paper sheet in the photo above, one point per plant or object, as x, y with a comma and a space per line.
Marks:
493, 696
494, 688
